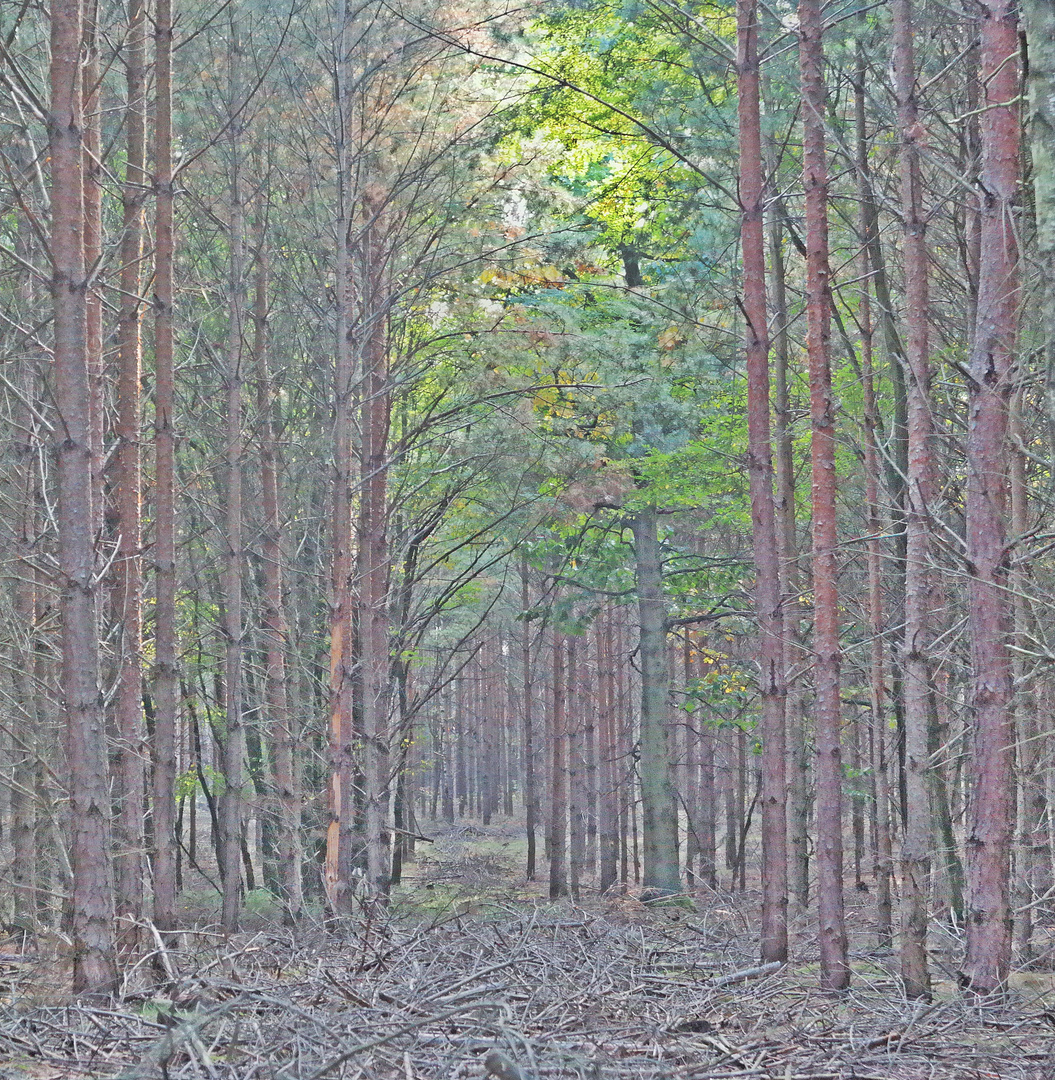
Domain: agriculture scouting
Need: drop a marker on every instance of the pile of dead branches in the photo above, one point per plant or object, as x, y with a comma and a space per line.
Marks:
524, 994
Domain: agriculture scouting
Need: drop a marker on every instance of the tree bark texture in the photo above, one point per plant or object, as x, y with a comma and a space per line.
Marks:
990, 383
835, 968
128, 585
919, 499
94, 961
771, 680
165, 675
658, 818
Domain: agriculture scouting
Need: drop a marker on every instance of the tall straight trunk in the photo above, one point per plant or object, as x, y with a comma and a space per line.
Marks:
919, 589
373, 559
690, 769
1032, 852
883, 862
608, 757
771, 681
530, 793
1039, 17
558, 781
576, 773
275, 625
625, 740
341, 847
128, 587
658, 818
791, 587
706, 870
92, 193
234, 743
835, 968
25, 748
591, 792
991, 378
94, 962
165, 677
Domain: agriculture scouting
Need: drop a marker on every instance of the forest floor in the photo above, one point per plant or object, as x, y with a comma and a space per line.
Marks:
470, 973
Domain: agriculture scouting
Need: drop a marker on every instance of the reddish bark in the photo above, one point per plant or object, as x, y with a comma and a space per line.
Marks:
94, 962
774, 944
835, 968
990, 383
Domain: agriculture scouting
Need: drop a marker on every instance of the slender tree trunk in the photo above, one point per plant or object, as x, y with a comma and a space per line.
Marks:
708, 805
92, 193
774, 943
835, 968
576, 777
373, 561
530, 793
883, 868
989, 618
919, 589
275, 625
1039, 16
658, 819
234, 741
791, 587
165, 677
558, 784
94, 961
129, 574
608, 757
339, 832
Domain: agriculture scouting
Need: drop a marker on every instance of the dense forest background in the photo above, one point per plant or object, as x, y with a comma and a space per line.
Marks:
631, 422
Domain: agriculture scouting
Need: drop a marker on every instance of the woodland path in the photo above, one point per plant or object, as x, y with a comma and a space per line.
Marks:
470, 975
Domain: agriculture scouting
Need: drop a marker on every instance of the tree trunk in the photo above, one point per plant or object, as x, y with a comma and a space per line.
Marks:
990, 383
234, 741
94, 961
658, 819
771, 682
373, 561
558, 783
608, 757
165, 677
835, 968
576, 773
883, 868
530, 794
275, 625
791, 587
1039, 16
128, 587
919, 500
